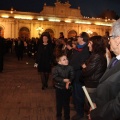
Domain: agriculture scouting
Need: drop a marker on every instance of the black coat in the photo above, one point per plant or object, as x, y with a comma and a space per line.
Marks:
95, 68
2, 52
2, 46
19, 47
76, 59
61, 72
107, 95
44, 58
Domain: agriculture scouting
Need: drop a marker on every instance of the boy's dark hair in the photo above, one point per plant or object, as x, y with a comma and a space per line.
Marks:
69, 43
59, 56
85, 36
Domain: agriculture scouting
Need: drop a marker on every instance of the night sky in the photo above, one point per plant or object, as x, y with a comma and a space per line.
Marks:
88, 7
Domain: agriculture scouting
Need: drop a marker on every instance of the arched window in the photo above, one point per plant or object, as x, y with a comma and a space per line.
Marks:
1, 32
51, 32
72, 33
24, 32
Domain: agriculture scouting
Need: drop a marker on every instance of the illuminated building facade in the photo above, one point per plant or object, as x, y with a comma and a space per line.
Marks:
54, 19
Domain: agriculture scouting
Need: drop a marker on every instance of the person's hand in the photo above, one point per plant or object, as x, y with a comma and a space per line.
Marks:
83, 66
89, 117
67, 85
94, 107
66, 80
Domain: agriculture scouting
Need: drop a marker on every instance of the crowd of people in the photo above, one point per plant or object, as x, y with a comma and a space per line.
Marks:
75, 62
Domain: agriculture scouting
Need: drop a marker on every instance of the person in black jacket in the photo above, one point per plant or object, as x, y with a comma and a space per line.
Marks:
62, 75
95, 66
79, 56
97, 60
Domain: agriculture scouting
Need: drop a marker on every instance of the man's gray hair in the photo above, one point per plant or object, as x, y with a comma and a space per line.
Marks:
116, 28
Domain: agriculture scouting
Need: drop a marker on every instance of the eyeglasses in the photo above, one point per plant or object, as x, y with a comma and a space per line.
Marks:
112, 36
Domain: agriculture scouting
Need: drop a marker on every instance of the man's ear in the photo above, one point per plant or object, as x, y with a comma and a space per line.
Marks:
118, 41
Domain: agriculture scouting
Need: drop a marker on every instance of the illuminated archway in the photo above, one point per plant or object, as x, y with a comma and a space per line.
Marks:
24, 32
72, 33
51, 32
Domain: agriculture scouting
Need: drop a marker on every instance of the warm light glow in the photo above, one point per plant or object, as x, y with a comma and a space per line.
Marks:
83, 22
23, 17
5, 16
68, 21
54, 20
40, 18
104, 24
11, 12
40, 30
89, 31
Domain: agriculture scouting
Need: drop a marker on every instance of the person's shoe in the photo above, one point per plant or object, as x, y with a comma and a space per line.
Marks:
46, 86
76, 117
43, 88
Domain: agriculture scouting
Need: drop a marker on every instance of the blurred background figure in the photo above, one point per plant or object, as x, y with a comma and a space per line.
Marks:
61, 35
2, 51
19, 48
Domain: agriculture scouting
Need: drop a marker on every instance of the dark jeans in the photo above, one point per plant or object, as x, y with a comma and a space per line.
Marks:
63, 101
78, 98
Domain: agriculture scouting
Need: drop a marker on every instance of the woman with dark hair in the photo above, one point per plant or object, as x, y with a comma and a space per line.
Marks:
44, 58
96, 65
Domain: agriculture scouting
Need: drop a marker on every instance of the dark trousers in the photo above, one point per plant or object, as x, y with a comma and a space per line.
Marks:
44, 79
20, 55
1, 63
78, 98
63, 101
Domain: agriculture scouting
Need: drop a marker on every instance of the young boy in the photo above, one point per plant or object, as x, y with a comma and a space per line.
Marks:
62, 75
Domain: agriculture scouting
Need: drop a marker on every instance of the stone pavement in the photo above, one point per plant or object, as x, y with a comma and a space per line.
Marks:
21, 97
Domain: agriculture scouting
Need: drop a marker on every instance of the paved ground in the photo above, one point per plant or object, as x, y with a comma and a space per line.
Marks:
21, 97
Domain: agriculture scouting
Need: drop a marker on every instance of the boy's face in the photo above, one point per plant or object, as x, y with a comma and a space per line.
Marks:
63, 60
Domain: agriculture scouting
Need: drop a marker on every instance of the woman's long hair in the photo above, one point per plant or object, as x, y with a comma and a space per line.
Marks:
40, 41
98, 45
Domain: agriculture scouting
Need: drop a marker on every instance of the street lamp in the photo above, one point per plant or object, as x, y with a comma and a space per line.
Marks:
40, 30
89, 32
12, 10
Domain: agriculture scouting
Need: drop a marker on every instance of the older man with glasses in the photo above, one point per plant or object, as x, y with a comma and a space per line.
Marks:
107, 96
